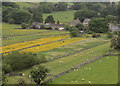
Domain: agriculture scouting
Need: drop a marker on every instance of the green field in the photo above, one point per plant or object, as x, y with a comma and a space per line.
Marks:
62, 16
102, 71
20, 35
24, 5
70, 61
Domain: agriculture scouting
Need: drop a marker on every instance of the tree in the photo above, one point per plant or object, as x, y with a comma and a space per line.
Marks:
99, 25
39, 73
115, 42
82, 14
49, 19
45, 7
80, 6
62, 6
37, 17
80, 26
10, 4
21, 17
74, 32
4, 79
111, 18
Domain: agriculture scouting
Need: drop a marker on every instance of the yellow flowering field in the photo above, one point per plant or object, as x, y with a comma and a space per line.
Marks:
21, 45
52, 45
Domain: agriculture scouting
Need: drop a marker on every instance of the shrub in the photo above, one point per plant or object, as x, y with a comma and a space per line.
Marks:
20, 60
6, 67
49, 28
116, 33
95, 35
24, 25
115, 42
43, 27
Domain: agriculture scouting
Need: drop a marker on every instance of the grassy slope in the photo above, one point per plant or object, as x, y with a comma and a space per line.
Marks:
68, 62
62, 16
103, 71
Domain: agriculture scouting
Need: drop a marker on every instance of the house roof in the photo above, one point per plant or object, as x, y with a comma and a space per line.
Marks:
86, 21
74, 22
54, 25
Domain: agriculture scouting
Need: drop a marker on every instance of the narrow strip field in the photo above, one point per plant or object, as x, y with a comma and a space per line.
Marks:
18, 46
53, 45
62, 64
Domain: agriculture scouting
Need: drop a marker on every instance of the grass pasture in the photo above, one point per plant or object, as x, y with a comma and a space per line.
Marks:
13, 35
62, 16
100, 73
24, 5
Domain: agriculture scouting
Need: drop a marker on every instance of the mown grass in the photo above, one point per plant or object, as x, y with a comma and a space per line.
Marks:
62, 16
103, 71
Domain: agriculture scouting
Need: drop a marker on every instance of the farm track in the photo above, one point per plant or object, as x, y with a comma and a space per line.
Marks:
38, 38
76, 67
35, 45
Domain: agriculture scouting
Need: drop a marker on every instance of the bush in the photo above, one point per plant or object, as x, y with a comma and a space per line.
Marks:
20, 61
24, 25
115, 42
116, 33
43, 27
95, 35
49, 28
6, 67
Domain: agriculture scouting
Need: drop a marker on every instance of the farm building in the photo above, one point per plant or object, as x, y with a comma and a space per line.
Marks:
113, 27
55, 26
86, 22
75, 22
36, 25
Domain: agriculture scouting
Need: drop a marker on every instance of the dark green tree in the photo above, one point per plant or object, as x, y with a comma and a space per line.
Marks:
39, 73
37, 17
80, 6
10, 4
62, 6
45, 7
99, 25
80, 26
21, 17
49, 19
82, 14
74, 32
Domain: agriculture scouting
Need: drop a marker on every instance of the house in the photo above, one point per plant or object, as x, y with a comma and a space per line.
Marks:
36, 25
55, 26
113, 27
75, 22
86, 22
